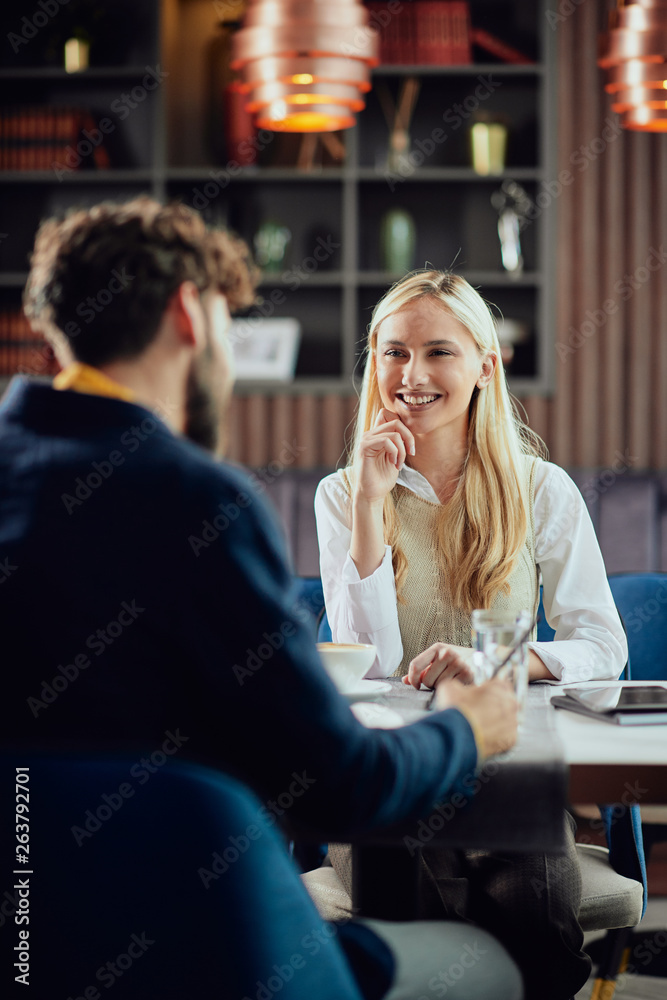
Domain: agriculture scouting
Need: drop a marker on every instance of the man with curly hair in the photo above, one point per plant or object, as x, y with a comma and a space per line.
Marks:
141, 632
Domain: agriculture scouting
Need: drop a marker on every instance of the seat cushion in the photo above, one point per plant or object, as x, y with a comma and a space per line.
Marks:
328, 893
608, 899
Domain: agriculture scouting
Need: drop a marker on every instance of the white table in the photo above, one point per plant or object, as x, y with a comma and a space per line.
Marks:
611, 763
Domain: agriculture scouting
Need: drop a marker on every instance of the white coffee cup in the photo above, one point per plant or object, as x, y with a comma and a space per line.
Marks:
346, 662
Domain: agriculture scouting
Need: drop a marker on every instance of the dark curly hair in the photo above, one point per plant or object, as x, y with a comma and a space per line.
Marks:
102, 277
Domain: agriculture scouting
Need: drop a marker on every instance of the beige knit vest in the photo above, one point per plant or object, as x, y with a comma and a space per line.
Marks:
427, 614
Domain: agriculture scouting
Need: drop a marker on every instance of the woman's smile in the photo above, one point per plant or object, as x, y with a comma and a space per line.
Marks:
415, 401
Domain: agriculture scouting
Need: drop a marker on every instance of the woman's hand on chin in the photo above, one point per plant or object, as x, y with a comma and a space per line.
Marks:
440, 662
382, 455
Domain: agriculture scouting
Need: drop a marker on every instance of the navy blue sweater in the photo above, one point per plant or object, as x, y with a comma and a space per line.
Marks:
145, 596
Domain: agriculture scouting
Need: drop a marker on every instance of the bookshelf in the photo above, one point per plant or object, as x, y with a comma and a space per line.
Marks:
171, 145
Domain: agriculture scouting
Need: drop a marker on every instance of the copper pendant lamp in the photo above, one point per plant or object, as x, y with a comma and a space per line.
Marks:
305, 64
634, 53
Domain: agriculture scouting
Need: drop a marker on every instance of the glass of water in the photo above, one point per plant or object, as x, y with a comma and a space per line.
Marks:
494, 634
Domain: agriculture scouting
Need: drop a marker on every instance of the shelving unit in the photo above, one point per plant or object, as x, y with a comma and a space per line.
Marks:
170, 147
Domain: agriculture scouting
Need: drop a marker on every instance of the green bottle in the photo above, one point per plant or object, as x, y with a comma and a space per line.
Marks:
398, 240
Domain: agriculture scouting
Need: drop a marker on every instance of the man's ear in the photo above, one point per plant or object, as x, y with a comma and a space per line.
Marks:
488, 368
186, 309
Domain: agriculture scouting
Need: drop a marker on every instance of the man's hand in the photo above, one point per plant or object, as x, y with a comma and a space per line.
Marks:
492, 708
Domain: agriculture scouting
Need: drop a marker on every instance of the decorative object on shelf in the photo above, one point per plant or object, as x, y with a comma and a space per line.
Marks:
77, 54
488, 142
313, 142
424, 32
271, 242
398, 118
305, 64
240, 131
510, 333
320, 239
442, 32
634, 53
398, 238
22, 351
265, 349
512, 204
44, 137
498, 48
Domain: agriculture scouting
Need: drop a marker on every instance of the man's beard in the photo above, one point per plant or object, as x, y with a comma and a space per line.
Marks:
206, 404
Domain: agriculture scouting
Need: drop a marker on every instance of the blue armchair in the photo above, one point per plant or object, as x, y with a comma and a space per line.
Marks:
159, 877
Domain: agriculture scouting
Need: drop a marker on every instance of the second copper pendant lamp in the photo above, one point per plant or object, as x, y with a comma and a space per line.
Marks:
634, 53
305, 64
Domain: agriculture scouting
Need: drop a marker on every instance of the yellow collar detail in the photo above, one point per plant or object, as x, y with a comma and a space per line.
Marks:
84, 378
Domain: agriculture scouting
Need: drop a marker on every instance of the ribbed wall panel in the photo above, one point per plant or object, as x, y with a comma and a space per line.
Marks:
610, 403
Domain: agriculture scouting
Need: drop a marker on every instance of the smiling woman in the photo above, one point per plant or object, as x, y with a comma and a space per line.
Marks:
432, 379
428, 364
447, 506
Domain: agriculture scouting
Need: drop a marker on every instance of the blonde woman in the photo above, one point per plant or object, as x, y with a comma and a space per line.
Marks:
448, 505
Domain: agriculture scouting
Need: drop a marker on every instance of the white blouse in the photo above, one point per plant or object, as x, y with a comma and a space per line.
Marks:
589, 643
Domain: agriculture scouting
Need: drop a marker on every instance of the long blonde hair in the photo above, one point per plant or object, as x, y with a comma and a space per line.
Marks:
483, 527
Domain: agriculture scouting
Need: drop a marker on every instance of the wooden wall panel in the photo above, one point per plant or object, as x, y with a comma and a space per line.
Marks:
610, 401
659, 385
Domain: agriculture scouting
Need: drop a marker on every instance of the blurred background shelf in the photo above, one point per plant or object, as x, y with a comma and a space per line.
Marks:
172, 142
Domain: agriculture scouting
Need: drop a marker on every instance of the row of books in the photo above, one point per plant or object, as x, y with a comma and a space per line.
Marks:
21, 349
22, 359
35, 137
15, 326
433, 33
426, 32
